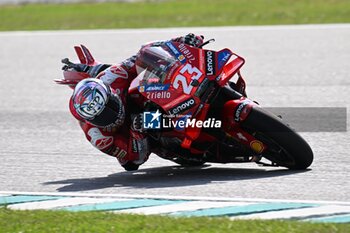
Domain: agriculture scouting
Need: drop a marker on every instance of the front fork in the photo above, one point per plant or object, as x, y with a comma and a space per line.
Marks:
234, 113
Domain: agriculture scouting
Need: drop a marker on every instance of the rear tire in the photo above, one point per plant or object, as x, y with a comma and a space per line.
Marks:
285, 147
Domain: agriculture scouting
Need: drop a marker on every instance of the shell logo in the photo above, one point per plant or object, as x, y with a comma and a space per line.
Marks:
257, 146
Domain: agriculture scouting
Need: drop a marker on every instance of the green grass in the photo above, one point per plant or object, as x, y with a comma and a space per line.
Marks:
61, 221
180, 13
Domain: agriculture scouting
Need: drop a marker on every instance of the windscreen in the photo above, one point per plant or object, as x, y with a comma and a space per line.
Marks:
153, 64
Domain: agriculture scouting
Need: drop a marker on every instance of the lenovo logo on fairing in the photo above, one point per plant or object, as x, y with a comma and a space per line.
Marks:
182, 106
210, 67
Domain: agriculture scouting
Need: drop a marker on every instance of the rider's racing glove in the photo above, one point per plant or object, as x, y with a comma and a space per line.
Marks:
191, 39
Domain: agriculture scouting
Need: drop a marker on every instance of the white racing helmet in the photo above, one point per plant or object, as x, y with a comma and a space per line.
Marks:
94, 101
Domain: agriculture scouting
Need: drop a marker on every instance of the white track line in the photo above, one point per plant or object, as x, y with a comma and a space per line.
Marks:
299, 213
62, 203
185, 206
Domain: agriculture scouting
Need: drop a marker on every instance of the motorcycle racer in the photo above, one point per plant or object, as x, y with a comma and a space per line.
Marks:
100, 104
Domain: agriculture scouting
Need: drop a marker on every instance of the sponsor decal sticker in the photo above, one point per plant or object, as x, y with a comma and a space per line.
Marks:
121, 154
210, 62
134, 146
159, 95
223, 57
154, 87
240, 110
173, 49
176, 52
257, 146
185, 51
183, 106
115, 151
141, 88
181, 58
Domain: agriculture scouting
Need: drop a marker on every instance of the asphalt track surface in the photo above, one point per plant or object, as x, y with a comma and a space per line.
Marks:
44, 150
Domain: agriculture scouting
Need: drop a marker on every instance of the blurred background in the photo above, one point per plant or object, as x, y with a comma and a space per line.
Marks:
101, 14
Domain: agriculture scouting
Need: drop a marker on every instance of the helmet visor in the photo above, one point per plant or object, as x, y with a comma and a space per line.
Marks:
113, 113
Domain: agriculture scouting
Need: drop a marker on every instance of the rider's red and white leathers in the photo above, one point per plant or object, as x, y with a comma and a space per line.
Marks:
122, 143
128, 146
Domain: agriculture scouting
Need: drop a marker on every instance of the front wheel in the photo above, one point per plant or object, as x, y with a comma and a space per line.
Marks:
285, 147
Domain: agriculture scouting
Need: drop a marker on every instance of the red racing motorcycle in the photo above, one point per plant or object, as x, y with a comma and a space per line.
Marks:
194, 114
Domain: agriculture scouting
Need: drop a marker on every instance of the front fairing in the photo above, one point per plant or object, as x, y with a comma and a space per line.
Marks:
156, 67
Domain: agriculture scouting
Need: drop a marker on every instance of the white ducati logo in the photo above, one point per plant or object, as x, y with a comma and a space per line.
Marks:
98, 140
113, 73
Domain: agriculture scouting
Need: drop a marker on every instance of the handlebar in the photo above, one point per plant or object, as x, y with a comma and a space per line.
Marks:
77, 67
207, 42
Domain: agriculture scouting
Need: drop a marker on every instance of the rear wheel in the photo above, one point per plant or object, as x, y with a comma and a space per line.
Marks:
285, 147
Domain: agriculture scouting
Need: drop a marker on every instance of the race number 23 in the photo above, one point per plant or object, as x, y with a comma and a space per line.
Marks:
187, 87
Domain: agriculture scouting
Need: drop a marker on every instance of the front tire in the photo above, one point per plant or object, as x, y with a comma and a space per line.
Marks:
285, 147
